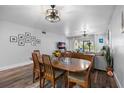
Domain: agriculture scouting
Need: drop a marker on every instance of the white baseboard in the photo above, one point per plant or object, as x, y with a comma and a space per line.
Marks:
117, 80
15, 65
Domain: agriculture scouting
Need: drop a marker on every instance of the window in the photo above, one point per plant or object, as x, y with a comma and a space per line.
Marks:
83, 46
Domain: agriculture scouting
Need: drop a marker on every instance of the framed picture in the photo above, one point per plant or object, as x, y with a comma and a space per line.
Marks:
33, 43
21, 36
33, 38
27, 40
27, 34
13, 38
100, 40
21, 42
38, 41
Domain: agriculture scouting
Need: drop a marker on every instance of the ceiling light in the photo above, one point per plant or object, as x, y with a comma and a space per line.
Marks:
52, 15
84, 31
84, 34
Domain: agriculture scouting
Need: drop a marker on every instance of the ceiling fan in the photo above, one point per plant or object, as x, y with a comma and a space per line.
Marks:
84, 33
61, 8
85, 30
52, 14
45, 7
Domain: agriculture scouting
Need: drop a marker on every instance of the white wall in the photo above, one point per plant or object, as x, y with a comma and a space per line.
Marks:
49, 42
12, 55
98, 46
118, 45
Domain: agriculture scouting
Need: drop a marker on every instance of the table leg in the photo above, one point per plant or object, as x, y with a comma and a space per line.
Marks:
66, 80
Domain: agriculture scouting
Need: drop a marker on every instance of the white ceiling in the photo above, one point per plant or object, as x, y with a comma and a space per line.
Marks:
73, 18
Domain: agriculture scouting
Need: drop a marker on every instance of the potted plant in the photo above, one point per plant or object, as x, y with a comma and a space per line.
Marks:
109, 60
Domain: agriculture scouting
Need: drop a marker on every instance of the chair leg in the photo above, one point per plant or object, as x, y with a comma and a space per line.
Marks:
37, 75
33, 76
89, 81
41, 79
66, 80
53, 84
63, 81
40, 83
43, 82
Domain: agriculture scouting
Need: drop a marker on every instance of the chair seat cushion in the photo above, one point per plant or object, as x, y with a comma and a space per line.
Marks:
78, 77
58, 73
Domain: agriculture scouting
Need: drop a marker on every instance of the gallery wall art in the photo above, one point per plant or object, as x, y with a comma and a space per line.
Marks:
22, 39
13, 38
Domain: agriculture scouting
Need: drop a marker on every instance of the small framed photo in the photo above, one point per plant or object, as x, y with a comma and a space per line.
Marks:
21, 36
33, 38
21, 42
27, 34
27, 40
100, 40
33, 43
38, 41
13, 38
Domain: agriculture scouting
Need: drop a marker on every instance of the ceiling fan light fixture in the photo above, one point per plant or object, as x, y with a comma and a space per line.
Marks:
84, 34
85, 30
52, 14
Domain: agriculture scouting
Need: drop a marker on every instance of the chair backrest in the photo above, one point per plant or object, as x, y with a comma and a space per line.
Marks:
37, 51
48, 69
77, 55
38, 54
35, 61
89, 58
67, 54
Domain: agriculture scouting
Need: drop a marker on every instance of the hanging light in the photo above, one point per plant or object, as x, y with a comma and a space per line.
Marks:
52, 14
84, 34
84, 31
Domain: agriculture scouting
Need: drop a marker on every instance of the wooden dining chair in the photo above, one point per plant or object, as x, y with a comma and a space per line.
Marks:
36, 66
81, 78
50, 73
38, 52
67, 54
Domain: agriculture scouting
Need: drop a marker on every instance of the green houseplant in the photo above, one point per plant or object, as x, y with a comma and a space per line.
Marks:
109, 60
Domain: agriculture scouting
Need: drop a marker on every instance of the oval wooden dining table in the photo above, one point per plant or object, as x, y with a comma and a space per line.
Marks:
71, 64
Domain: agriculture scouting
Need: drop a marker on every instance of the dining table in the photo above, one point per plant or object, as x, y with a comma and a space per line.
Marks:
71, 64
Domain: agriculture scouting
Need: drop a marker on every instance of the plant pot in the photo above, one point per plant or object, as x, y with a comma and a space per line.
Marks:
109, 71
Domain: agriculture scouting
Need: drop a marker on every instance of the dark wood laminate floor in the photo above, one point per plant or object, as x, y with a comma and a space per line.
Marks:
21, 77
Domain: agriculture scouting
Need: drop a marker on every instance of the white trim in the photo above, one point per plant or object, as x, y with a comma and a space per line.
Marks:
15, 65
117, 80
